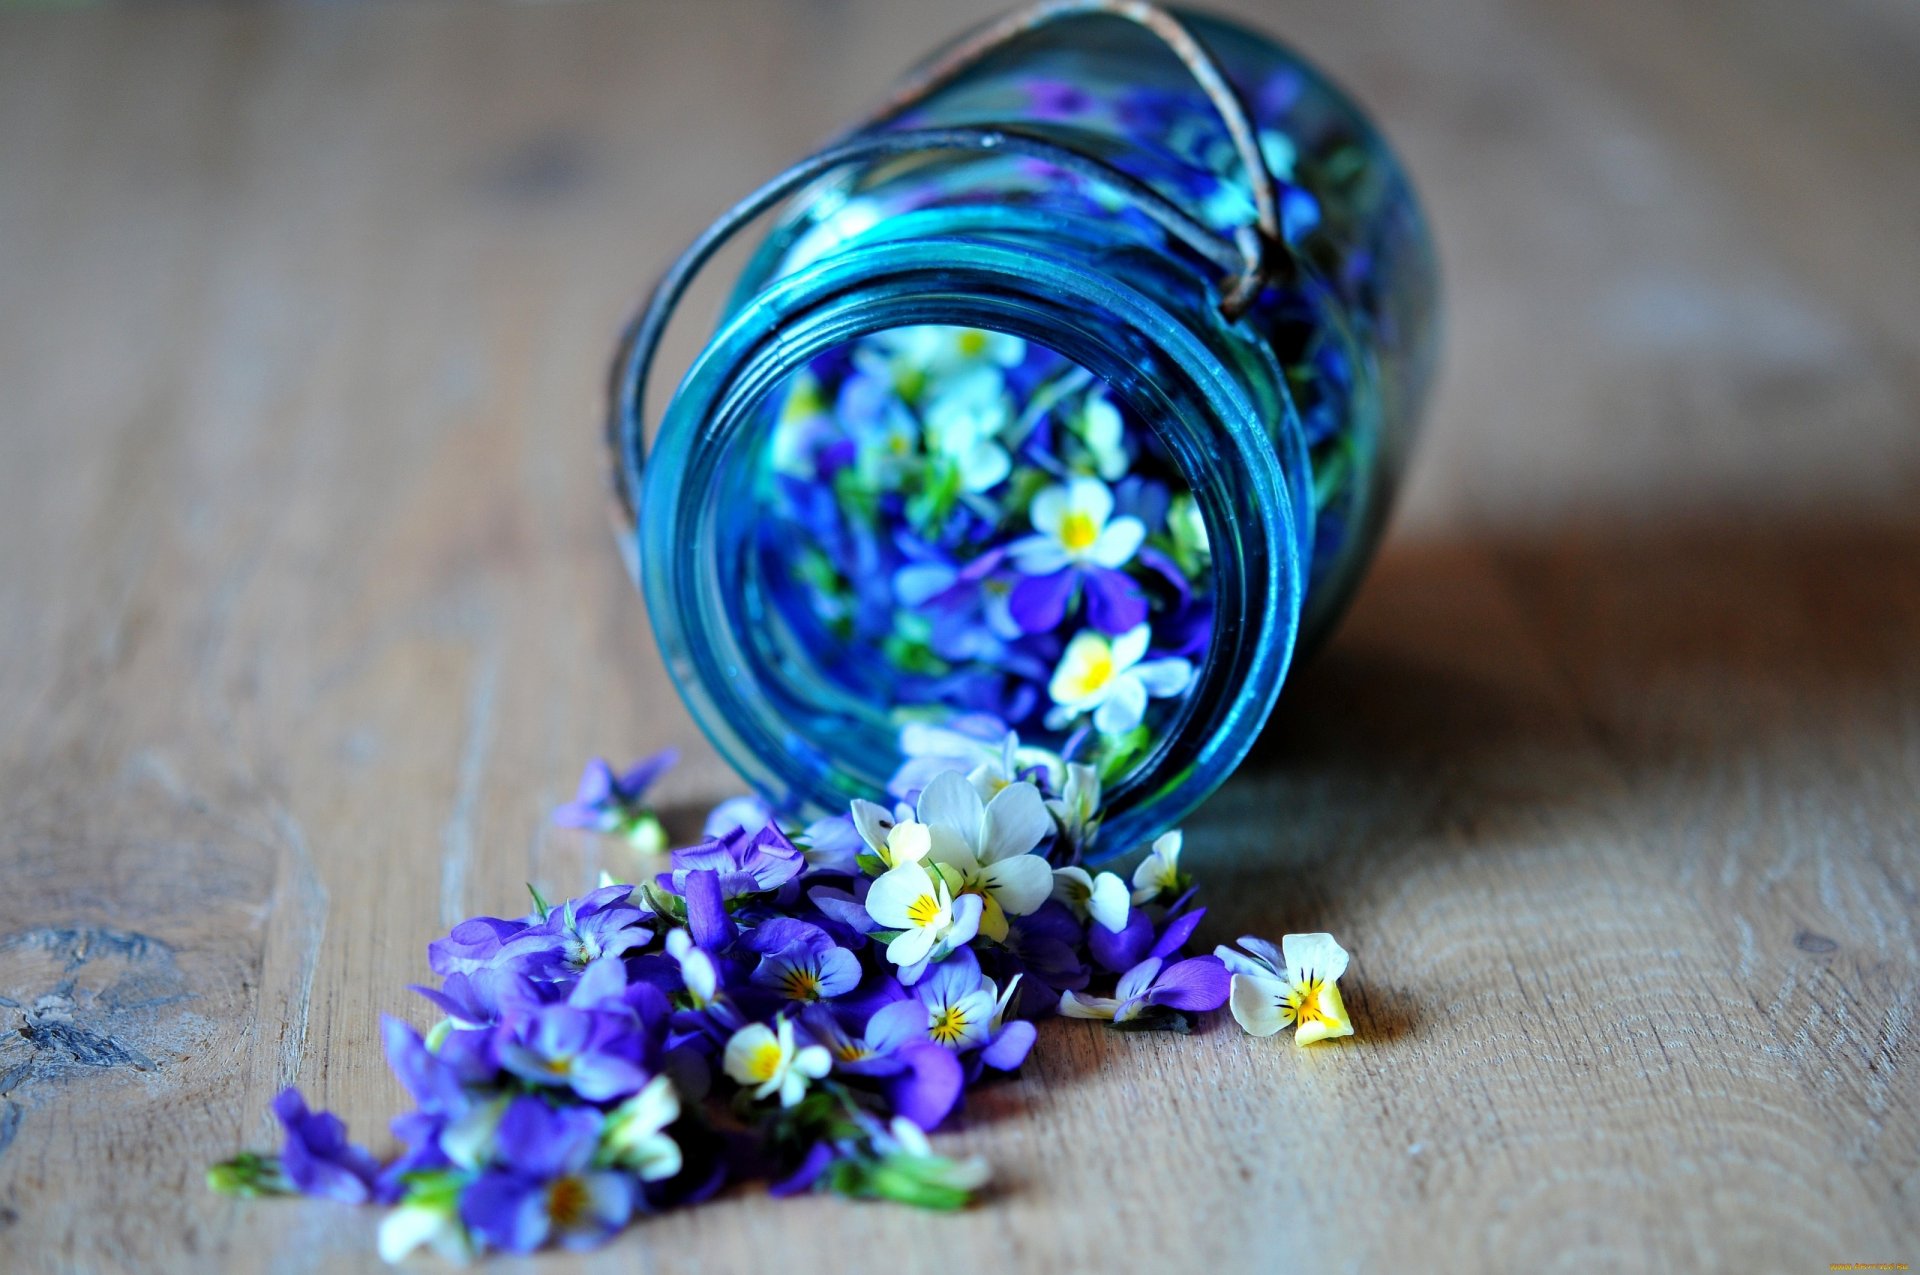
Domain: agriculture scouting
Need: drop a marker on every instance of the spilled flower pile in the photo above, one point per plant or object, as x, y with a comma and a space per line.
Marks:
799, 1005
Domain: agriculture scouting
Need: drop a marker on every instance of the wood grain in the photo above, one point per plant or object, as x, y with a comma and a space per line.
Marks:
309, 613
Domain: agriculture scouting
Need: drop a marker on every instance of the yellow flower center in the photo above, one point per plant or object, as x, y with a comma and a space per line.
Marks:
923, 910
948, 1025
567, 1200
1077, 531
1304, 1001
972, 343
801, 985
765, 1062
850, 1052
1097, 672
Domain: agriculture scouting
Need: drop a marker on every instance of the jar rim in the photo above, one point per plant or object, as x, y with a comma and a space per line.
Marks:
1226, 453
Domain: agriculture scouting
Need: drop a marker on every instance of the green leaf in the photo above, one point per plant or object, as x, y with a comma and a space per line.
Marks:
870, 863
925, 1182
540, 904
249, 1175
662, 903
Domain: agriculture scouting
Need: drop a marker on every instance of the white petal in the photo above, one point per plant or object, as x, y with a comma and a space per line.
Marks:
1163, 678
1135, 982
1039, 555
1016, 820
741, 1049
911, 946
1090, 496
1238, 962
1048, 510
408, 1227
1020, 884
1119, 542
984, 466
1314, 953
652, 1109
873, 823
1110, 902
953, 813
894, 891
909, 842
1005, 349
657, 1159
1100, 422
1073, 887
1074, 1005
1130, 646
1073, 681
1255, 1003
1267, 953
1124, 706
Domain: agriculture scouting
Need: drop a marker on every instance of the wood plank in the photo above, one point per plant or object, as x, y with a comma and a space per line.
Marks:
308, 615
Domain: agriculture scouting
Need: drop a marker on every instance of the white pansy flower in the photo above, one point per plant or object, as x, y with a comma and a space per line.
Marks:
1076, 810
916, 359
1013, 760
1104, 898
964, 417
1159, 872
1297, 986
634, 1136
920, 906
433, 1222
1074, 525
697, 973
988, 845
1108, 680
897, 838
769, 1062
1096, 422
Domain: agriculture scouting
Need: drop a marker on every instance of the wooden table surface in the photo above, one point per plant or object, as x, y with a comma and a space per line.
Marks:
309, 613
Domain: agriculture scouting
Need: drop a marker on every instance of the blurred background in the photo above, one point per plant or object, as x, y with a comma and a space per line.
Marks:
310, 610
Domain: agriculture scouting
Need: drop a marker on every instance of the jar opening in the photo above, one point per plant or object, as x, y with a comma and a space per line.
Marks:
966, 531
796, 654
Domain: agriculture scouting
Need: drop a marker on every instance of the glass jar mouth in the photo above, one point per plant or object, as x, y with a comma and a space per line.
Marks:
691, 547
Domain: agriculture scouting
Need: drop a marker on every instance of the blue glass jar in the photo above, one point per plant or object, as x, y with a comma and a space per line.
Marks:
1081, 374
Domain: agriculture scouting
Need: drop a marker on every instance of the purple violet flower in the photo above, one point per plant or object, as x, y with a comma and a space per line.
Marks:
922, 1080
471, 945
606, 802
755, 862
746, 814
1077, 541
577, 933
952, 1006
799, 961
596, 1054
1194, 985
545, 1188
317, 1158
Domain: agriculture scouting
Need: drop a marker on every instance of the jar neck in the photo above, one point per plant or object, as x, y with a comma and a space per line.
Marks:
1211, 393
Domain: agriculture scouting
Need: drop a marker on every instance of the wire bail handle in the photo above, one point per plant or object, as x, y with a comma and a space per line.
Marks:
1257, 254
1261, 245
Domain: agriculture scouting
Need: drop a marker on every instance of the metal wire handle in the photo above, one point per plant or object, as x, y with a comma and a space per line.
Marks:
1257, 253
1261, 245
